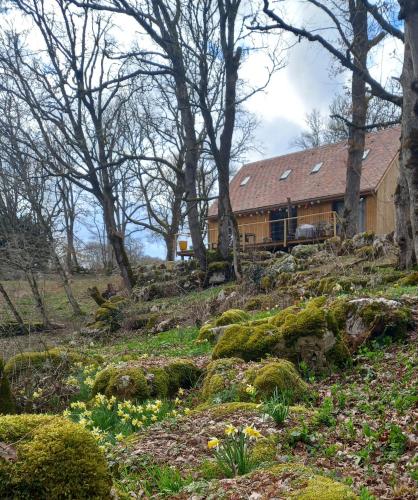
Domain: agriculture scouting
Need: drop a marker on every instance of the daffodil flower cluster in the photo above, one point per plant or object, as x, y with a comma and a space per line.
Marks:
111, 420
232, 454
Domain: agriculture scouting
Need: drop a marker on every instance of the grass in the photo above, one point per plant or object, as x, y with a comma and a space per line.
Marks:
178, 342
54, 296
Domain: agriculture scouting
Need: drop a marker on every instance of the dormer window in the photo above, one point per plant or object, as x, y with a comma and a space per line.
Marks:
316, 168
245, 180
366, 153
285, 175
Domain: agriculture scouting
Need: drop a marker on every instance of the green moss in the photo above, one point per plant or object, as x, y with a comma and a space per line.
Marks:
220, 375
324, 488
159, 382
183, 374
129, 383
310, 321
393, 322
37, 359
280, 375
410, 280
266, 283
56, 458
340, 354
210, 469
218, 266
280, 318
246, 342
367, 252
232, 316
263, 451
206, 333
6, 398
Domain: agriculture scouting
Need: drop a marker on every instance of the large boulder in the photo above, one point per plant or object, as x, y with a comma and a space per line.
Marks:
310, 334
368, 318
304, 251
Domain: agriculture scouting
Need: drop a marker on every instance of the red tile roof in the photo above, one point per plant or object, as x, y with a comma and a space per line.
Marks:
264, 189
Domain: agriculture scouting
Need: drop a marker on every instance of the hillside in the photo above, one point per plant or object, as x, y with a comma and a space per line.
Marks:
299, 382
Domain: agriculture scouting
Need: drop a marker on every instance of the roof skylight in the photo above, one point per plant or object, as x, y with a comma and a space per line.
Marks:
366, 153
285, 175
316, 168
245, 180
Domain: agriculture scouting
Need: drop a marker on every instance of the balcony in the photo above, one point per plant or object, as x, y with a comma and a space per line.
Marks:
274, 234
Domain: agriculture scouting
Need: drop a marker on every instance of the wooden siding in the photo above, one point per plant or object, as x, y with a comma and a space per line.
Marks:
385, 205
370, 213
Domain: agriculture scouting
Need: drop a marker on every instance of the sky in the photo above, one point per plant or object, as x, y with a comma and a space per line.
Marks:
307, 80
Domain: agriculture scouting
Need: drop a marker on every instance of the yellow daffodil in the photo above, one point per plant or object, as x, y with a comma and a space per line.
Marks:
181, 391
66, 413
177, 401
154, 418
119, 437
213, 443
230, 430
251, 390
187, 411
251, 432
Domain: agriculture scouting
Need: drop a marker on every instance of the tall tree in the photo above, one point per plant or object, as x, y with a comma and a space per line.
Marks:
74, 93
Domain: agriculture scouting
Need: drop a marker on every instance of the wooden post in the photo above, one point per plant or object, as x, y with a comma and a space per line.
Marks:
334, 215
285, 233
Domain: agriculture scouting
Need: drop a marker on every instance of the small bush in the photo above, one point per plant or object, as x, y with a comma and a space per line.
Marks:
6, 399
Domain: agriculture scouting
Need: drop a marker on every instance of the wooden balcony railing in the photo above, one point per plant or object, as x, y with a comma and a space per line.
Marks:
282, 232
277, 233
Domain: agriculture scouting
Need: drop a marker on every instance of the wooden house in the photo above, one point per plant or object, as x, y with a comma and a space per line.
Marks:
299, 196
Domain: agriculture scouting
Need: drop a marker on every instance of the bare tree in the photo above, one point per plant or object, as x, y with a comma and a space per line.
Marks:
350, 40
74, 92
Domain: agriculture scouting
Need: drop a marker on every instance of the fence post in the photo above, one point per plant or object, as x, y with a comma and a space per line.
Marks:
334, 216
285, 233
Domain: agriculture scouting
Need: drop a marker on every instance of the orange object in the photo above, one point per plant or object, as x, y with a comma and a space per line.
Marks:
183, 246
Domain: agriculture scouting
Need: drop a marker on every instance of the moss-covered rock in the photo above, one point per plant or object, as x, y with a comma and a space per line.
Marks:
228, 380
6, 398
324, 488
109, 315
409, 280
375, 317
211, 331
280, 375
40, 360
130, 381
232, 316
298, 334
52, 458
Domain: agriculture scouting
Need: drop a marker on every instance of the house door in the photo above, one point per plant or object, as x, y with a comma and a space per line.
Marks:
277, 228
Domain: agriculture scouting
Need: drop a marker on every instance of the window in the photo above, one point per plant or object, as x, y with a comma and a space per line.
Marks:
366, 153
285, 175
316, 168
245, 180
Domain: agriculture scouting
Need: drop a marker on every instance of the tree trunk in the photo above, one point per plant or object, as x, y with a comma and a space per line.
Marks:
66, 284
117, 242
357, 135
39, 303
71, 254
14, 311
407, 223
170, 243
191, 159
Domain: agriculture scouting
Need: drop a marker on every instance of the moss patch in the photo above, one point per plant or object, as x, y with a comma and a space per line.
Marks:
6, 398
55, 458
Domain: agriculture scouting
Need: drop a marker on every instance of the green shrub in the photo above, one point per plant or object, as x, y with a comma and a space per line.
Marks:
409, 280
55, 458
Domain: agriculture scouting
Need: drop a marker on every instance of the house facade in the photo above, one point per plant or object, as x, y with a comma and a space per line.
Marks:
299, 196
